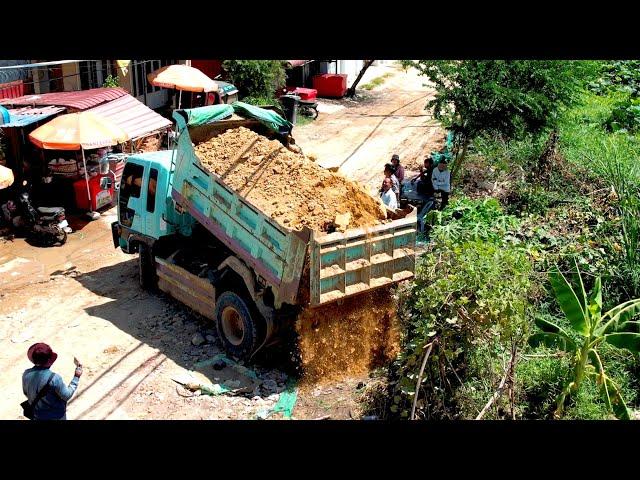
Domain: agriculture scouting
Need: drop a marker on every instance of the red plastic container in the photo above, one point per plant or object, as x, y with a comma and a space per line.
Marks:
307, 94
330, 85
99, 197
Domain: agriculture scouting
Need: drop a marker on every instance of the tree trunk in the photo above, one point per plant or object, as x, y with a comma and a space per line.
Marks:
547, 160
459, 160
352, 89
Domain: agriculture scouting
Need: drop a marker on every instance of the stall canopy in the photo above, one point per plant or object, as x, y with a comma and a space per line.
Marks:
24, 116
80, 100
132, 116
74, 131
78, 131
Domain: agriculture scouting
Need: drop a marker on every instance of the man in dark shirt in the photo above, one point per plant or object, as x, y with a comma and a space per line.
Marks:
53, 405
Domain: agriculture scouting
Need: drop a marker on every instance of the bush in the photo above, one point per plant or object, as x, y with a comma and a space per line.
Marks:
257, 79
470, 295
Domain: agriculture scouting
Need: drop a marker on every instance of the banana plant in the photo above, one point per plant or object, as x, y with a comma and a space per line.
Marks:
591, 327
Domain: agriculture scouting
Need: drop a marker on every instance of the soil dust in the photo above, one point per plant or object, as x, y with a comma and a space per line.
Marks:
347, 340
287, 186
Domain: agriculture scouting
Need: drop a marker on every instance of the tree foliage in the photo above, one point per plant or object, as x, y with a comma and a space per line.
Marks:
256, 78
508, 97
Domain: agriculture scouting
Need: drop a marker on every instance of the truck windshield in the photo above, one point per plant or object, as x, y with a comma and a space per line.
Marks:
130, 186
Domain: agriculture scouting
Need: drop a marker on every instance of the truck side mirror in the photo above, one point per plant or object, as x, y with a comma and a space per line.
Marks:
106, 183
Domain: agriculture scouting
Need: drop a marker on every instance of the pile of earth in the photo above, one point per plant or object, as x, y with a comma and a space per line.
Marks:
287, 186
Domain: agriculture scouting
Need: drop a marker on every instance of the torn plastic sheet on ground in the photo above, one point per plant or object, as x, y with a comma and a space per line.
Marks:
242, 379
286, 403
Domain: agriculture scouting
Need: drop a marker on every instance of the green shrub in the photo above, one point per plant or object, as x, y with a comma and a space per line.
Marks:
470, 295
257, 79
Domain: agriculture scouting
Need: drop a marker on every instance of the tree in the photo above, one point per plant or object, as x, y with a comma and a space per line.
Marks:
352, 89
256, 79
508, 97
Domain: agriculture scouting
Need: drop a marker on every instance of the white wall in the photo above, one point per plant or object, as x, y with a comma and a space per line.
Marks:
349, 67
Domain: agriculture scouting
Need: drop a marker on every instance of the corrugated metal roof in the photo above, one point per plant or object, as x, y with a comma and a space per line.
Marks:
81, 100
21, 117
132, 116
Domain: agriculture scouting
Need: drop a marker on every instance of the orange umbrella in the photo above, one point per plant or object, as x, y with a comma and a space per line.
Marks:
78, 131
182, 77
75, 131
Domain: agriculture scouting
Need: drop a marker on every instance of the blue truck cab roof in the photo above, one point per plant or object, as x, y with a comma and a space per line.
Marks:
161, 158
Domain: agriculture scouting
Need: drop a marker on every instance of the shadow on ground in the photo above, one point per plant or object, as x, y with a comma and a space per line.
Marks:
157, 320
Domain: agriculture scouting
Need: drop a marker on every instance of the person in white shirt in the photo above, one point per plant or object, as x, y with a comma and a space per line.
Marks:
395, 184
441, 179
388, 196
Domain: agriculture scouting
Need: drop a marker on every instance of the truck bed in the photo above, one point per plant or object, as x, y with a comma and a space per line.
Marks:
340, 264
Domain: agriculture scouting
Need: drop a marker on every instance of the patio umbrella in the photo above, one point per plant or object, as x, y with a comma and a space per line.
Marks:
78, 131
6, 177
182, 77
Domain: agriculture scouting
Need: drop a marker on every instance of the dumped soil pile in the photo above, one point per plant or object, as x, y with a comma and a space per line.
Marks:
287, 186
338, 341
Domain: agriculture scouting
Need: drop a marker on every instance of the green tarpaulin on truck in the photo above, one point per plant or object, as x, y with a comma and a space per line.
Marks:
215, 113
267, 117
204, 115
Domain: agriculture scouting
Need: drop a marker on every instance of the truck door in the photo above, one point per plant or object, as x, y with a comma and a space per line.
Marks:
151, 208
129, 201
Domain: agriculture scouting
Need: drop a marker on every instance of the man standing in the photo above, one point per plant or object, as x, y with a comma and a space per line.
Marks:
425, 184
441, 178
41, 384
388, 196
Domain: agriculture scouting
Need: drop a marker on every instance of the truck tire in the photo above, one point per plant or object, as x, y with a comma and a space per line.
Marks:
146, 268
236, 325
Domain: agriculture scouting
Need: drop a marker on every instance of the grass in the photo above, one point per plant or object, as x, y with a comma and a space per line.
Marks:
376, 81
302, 120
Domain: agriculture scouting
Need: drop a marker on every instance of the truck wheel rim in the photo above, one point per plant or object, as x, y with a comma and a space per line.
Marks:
232, 326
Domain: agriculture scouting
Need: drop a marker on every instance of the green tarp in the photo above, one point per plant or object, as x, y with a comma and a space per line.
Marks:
204, 115
267, 117
215, 113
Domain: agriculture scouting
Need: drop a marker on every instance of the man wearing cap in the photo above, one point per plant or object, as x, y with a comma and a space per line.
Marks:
51, 405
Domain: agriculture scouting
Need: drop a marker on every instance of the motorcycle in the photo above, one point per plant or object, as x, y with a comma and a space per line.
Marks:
46, 225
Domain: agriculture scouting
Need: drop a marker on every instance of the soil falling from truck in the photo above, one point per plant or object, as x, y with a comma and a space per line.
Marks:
287, 186
339, 341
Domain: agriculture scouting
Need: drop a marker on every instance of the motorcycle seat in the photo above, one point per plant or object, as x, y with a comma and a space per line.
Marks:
50, 210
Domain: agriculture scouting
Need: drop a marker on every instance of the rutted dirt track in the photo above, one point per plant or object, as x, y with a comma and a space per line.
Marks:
361, 137
84, 299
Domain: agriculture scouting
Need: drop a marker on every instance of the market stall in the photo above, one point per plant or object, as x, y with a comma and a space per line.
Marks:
90, 135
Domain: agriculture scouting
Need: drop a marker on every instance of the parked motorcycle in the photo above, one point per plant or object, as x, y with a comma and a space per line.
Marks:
45, 225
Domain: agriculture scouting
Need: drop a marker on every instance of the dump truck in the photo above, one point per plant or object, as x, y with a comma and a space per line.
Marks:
210, 248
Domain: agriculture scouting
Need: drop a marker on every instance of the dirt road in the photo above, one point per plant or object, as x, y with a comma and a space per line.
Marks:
360, 136
84, 299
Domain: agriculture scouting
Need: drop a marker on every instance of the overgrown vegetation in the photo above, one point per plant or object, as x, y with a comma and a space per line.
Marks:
561, 197
509, 98
256, 80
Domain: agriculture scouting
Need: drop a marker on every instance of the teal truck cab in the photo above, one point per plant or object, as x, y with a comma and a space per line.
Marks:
210, 248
